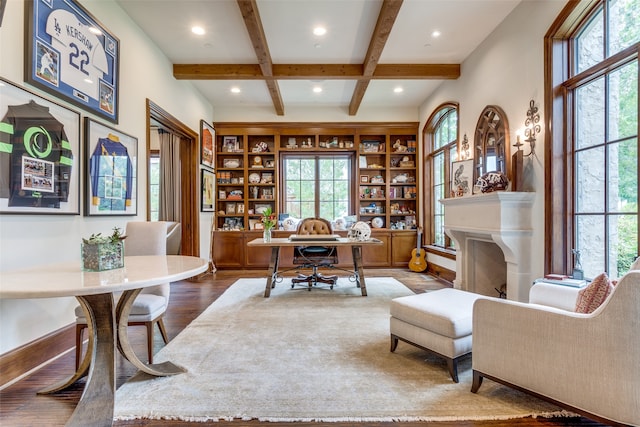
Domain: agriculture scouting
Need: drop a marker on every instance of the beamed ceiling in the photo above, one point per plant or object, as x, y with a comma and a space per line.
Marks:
266, 48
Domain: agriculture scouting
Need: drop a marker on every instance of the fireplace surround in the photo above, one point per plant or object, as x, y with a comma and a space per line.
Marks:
492, 234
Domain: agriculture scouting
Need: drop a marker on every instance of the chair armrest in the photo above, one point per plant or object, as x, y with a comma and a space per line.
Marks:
558, 296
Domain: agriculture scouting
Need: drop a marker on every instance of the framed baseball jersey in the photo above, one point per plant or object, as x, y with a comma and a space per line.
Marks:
72, 56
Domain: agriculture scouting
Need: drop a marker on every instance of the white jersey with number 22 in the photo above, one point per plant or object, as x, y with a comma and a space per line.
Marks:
83, 61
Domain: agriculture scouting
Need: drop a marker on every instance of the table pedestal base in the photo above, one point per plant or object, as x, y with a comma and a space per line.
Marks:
96, 405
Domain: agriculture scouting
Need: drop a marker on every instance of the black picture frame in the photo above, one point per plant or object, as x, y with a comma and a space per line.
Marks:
207, 182
80, 64
111, 165
47, 179
207, 138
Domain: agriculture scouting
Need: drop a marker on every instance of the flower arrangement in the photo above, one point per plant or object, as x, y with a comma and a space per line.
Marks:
268, 219
100, 252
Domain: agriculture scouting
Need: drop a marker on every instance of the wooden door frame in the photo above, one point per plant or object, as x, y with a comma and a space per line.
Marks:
189, 175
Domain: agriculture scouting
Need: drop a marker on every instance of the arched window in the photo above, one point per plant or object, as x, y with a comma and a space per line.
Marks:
441, 148
592, 137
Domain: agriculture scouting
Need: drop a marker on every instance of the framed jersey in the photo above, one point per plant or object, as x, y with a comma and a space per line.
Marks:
112, 170
39, 154
72, 56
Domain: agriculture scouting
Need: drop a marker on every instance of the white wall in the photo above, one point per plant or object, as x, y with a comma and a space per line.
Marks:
36, 239
506, 70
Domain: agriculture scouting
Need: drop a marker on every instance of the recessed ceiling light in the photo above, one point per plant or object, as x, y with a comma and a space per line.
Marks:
319, 31
198, 30
398, 89
436, 33
317, 89
235, 89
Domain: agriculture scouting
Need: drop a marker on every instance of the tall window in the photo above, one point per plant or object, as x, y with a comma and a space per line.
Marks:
317, 186
441, 139
154, 184
600, 139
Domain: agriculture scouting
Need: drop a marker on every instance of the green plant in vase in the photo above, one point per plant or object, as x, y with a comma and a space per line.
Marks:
268, 223
103, 252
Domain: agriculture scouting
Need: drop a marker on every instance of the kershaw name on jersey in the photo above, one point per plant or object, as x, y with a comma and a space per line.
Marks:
83, 60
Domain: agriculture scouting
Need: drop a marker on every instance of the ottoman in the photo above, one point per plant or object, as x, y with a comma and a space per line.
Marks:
438, 322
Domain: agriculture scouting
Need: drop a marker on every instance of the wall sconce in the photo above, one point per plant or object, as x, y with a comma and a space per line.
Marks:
531, 128
464, 148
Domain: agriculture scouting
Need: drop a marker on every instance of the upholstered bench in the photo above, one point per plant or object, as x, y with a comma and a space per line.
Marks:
438, 322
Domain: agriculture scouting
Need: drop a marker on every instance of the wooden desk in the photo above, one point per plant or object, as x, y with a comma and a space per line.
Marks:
277, 243
94, 291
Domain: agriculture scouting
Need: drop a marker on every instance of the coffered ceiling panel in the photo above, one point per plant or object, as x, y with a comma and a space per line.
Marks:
267, 48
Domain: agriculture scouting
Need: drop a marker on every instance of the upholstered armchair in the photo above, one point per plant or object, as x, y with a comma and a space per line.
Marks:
314, 257
587, 363
143, 238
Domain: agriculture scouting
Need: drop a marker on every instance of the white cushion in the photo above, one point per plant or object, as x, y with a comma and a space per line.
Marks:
447, 312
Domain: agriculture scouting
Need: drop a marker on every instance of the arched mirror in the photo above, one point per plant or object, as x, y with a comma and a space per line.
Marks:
491, 142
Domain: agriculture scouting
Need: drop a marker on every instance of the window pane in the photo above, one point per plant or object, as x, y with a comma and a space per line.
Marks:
590, 180
623, 243
590, 114
623, 102
590, 44
590, 231
624, 30
623, 175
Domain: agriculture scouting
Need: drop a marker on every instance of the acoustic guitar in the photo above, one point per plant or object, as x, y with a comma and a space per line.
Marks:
418, 261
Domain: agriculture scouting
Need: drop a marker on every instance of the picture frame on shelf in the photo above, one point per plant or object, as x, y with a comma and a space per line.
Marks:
269, 164
48, 181
230, 144
111, 182
230, 209
240, 208
364, 179
207, 136
461, 178
207, 179
362, 162
85, 74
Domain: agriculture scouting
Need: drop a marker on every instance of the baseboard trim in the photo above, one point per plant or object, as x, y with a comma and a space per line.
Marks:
23, 359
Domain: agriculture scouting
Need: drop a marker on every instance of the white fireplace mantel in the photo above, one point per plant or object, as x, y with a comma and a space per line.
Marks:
501, 217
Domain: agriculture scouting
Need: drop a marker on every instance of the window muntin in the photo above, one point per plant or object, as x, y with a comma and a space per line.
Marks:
317, 186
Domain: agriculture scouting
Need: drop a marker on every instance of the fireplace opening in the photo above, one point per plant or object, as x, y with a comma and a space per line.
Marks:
487, 269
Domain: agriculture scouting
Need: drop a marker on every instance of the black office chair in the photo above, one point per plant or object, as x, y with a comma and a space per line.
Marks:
314, 257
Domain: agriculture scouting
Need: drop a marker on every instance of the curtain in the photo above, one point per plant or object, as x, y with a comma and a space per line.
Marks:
170, 184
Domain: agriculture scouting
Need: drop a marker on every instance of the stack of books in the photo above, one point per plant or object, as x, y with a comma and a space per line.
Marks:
560, 279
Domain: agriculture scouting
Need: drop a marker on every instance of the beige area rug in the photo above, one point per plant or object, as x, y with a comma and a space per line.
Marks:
310, 356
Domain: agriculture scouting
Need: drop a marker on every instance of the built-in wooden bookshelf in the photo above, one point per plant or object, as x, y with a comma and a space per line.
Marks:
384, 180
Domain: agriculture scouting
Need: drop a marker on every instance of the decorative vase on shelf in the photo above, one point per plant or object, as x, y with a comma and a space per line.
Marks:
266, 235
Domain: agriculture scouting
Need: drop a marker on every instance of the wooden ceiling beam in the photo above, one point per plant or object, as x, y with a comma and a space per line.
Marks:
251, 17
387, 17
314, 71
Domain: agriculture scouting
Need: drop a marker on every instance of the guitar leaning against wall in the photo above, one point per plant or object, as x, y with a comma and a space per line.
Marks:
418, 261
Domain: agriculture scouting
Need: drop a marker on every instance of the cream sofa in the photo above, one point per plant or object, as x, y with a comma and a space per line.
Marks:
587, 363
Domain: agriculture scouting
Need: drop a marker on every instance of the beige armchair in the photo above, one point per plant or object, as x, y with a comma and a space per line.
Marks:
587, 363
143, 238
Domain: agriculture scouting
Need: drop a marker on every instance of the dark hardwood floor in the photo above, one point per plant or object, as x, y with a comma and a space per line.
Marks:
20, 406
